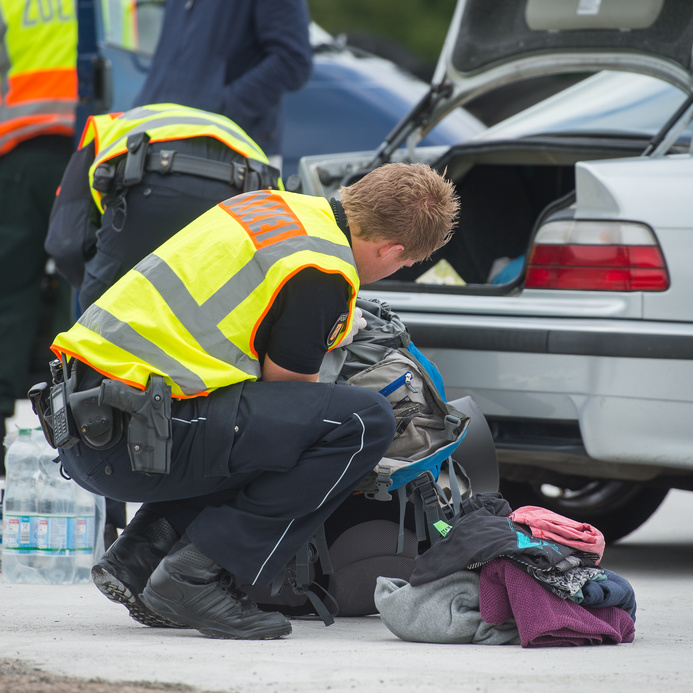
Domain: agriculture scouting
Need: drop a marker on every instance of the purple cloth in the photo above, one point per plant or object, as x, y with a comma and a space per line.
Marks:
543, 619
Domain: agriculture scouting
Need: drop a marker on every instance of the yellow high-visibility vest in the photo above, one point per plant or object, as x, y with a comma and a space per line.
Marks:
38, 74
191, 309
120, 23
162, 122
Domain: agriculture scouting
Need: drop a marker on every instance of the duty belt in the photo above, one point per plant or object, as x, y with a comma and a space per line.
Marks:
250, 175
169, 161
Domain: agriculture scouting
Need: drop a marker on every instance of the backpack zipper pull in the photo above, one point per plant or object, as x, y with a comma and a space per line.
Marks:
408, 377
404, 379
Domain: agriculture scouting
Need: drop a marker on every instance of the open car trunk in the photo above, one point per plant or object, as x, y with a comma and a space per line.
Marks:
505, 189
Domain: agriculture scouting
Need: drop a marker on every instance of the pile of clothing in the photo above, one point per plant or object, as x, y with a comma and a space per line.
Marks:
529, 577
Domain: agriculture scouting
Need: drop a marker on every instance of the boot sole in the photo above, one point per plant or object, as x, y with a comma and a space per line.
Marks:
274, 634
212, 630
115, 590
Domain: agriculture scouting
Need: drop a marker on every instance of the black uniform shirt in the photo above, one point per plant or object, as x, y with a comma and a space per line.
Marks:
297, 327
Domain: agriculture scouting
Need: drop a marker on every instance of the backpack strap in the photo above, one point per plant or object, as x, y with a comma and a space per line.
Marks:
402, 498
427, 496
315, 549
325, 612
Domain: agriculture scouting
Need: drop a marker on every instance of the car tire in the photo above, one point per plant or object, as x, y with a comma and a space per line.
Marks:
616, 508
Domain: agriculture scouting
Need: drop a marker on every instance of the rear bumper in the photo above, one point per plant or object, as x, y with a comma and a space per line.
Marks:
625, 384
615, 339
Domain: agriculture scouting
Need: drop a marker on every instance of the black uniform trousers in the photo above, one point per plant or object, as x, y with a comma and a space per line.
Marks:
256, 468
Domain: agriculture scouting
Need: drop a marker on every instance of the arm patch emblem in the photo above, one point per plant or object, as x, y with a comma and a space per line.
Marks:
336, 329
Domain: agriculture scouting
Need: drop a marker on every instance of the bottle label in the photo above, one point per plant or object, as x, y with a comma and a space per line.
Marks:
36, 534
81, 530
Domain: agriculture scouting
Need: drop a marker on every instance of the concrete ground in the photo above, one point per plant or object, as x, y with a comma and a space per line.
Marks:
74, 631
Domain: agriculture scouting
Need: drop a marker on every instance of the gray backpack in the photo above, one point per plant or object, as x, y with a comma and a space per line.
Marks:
368, 536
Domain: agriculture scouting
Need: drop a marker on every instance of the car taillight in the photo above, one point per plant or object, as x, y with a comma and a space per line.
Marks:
596, 256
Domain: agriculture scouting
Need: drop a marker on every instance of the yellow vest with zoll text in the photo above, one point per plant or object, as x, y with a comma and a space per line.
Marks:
38, 74
190, 310
162, 122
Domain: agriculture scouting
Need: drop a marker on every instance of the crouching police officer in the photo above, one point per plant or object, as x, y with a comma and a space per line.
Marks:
136, 179
192, 387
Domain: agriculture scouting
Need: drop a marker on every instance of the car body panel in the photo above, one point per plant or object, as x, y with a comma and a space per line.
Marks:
619, 189
493, 42
613, 368
626, 409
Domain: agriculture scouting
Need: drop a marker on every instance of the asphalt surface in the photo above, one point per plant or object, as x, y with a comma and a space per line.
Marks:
74, 631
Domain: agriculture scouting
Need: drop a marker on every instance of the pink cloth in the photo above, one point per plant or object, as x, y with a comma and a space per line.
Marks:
544, 620
546, 524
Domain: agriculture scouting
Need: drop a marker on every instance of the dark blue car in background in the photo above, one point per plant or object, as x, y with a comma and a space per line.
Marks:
352, 100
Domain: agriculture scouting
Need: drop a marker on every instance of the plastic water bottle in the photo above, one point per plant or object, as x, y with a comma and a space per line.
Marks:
100, 524
20, 507
87, 531
53, 528
2, 497
57, 560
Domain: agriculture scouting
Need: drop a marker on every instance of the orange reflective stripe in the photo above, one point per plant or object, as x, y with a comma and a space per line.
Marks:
19, 129
50, 123
270, 303
265, 217
42, 85
90, 124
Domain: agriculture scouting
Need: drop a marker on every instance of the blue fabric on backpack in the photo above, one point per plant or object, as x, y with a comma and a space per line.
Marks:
432, 371
434, 461
432, 464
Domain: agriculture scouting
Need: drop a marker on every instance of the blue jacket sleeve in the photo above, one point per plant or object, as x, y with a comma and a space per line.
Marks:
282, 32
74, 220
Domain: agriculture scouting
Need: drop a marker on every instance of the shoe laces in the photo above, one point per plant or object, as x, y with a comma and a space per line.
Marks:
227, 582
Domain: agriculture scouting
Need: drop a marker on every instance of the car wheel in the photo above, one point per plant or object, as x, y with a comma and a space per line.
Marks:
616, 508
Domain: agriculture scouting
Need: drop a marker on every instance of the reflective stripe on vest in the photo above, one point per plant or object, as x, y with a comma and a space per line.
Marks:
190, 310
38, 76
162, 122
120, 24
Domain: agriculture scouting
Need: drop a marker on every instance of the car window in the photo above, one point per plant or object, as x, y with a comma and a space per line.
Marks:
133, 25
609, 102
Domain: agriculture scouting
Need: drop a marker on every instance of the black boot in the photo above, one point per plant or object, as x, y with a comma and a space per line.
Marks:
188, 588
124, 569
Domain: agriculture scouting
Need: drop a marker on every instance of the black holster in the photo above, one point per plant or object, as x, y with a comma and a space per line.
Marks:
149, 431
99, 425
83, 417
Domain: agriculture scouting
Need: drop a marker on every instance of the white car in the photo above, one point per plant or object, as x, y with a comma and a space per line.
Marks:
563, 303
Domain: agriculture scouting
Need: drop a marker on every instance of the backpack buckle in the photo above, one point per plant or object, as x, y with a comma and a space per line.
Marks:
383, 481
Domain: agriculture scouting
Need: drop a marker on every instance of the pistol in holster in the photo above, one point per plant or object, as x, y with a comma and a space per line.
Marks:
149, 430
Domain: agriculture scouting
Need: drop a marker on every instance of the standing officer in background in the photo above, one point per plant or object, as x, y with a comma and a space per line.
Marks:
136, 179
232, 318
38, 95
235, 58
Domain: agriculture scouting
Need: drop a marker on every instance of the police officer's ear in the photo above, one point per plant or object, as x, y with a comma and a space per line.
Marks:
386, 250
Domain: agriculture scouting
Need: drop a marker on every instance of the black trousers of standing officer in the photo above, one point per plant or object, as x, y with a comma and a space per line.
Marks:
255, 468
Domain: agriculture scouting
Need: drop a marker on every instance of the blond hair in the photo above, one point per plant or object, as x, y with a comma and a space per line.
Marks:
409, 204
